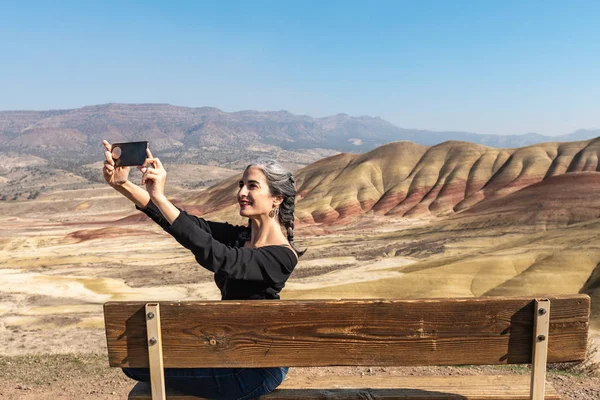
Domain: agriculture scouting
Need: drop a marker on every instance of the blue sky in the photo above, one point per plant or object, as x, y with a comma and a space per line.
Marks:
504, 67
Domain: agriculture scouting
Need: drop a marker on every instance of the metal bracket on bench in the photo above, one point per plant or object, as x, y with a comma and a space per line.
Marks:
539, 356
155, 354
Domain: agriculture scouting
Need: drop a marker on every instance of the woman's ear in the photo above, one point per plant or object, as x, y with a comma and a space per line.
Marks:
277, 200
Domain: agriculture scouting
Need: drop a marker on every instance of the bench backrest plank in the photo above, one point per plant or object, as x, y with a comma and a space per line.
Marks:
262, 333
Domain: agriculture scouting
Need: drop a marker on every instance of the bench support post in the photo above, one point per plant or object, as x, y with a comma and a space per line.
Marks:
539, 356
155, 354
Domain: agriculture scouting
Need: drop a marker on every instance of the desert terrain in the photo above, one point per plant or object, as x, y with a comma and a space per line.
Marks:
401, 221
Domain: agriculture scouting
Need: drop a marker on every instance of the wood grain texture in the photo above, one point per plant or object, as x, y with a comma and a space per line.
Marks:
266, 333
506, 387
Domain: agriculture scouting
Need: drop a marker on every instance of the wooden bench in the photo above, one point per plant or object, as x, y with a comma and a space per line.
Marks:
318, 333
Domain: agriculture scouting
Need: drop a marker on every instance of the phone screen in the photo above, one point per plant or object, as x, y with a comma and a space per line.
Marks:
129, 154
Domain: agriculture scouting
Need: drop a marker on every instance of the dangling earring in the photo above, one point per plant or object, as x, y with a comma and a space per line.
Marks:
274, 212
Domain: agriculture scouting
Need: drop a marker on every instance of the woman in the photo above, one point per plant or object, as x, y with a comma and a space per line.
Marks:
250, 262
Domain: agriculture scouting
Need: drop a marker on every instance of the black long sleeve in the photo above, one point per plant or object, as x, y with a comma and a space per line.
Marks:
221, 231
265, 263
240, 273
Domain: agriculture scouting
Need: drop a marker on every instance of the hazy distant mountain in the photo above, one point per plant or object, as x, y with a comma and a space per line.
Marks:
580, 134
204, 135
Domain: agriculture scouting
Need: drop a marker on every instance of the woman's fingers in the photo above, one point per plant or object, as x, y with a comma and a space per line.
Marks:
108, 171
143, 168
152, 163
106, 145
151, 160
107, 153
149, 174
152, 174
109, 158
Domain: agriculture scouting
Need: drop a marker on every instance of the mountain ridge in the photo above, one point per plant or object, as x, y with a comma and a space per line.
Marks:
179, 129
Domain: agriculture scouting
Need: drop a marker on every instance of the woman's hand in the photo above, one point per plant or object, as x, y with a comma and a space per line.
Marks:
114, 176
154, 177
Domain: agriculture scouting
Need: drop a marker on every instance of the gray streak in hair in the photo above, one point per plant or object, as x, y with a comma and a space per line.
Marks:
281, 183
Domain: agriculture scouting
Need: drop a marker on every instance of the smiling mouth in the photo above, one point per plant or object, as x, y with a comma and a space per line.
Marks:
245, 203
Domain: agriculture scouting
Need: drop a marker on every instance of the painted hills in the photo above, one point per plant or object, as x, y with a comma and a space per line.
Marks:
491, 222
407, 180
401, 221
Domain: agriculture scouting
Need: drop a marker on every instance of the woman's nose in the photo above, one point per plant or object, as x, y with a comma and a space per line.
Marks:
243, 191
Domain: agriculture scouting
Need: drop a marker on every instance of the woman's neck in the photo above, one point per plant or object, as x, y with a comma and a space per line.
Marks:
266, 232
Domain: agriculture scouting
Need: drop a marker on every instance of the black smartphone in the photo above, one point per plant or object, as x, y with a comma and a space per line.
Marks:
129, 154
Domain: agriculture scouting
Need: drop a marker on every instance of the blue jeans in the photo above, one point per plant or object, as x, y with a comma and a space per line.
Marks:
217, 383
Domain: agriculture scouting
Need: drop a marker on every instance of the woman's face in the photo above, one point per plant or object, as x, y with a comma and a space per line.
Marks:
253, 196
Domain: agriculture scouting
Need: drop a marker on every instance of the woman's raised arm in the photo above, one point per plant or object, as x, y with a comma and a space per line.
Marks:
155, 177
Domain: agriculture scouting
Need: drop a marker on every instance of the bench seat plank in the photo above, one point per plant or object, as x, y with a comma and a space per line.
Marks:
266, 333
479, 387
